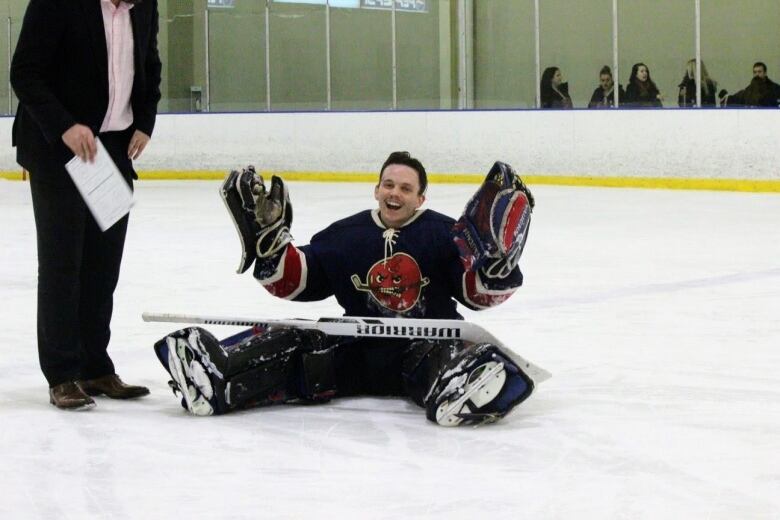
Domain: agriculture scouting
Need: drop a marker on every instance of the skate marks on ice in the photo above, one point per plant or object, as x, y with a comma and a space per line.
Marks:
660, 407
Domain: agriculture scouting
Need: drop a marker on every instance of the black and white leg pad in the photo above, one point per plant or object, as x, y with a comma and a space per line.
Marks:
481, 384
192, 357
317, 381
279, 366
275, 366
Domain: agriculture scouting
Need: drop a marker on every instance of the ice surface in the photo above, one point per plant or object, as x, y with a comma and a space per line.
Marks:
656, 312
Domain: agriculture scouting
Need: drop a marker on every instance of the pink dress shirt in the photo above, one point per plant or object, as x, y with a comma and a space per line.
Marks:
121, 67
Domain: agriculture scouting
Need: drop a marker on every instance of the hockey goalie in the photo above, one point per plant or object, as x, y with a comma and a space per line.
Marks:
395, 261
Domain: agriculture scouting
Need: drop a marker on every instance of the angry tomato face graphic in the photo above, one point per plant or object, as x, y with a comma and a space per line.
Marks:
395, 283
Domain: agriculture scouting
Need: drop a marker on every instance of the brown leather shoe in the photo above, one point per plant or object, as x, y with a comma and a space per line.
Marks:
68, 396
113, 387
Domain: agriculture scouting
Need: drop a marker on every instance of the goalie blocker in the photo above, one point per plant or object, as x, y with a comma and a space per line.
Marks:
454, 381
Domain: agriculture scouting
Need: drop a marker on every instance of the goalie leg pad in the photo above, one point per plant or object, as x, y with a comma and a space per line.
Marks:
479, 385
261, 385
422, 361
318, 375
195, 360
277, 366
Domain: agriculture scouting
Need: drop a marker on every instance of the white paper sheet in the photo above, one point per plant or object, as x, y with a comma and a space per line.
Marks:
102, 186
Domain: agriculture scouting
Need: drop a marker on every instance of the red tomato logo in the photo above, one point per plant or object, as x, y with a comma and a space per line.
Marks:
395, 283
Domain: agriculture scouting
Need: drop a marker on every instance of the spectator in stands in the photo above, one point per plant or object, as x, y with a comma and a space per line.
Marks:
604, 95
762, 91
554, 93
641, 90
687, 93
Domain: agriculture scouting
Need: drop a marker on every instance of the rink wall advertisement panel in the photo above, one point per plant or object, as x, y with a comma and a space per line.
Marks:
693, 149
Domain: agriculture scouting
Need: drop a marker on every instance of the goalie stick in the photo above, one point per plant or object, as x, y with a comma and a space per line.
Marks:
370, 327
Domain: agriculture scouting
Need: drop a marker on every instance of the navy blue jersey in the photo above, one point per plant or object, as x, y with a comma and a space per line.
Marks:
414, 271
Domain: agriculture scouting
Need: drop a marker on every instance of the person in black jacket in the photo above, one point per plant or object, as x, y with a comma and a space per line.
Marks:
604, 95
76, 80
641, 90
687, 94
762, 91
554, 93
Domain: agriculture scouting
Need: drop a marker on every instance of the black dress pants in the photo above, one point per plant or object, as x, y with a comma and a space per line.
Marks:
78, 270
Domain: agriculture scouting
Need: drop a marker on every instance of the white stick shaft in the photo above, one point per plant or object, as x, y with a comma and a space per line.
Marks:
352, 326
409, 328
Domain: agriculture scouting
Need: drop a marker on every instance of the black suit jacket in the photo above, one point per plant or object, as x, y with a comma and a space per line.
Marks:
60, 75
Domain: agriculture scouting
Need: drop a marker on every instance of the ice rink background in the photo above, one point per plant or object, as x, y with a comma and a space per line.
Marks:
655, 311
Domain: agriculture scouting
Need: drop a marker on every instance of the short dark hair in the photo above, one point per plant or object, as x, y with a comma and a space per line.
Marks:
760, 64
406, 159
605, 70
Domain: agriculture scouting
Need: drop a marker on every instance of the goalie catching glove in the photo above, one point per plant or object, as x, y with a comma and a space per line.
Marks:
262, 216
491, 233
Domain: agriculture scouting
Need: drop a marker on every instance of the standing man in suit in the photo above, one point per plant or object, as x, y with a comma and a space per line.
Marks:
83, 69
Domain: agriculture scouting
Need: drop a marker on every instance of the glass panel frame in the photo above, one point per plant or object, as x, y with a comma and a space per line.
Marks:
576, 37
183, 61
395, 54
361, 59
237, 59
8, 100
423, 58
731, 66
662, 35
504, 68
298, 56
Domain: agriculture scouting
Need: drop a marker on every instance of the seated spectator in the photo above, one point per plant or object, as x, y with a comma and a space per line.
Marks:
762, 91
604, 95
554, 93
641, 90
687, 93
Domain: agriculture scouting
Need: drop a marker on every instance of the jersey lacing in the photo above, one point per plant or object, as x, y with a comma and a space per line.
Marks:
389, 236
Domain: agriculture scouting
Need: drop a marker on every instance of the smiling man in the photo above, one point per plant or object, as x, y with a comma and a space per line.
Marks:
397, 260
399, 194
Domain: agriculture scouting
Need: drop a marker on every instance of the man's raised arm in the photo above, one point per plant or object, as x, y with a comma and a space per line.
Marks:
263, 217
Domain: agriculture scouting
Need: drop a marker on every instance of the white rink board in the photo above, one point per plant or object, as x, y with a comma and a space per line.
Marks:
695, 144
